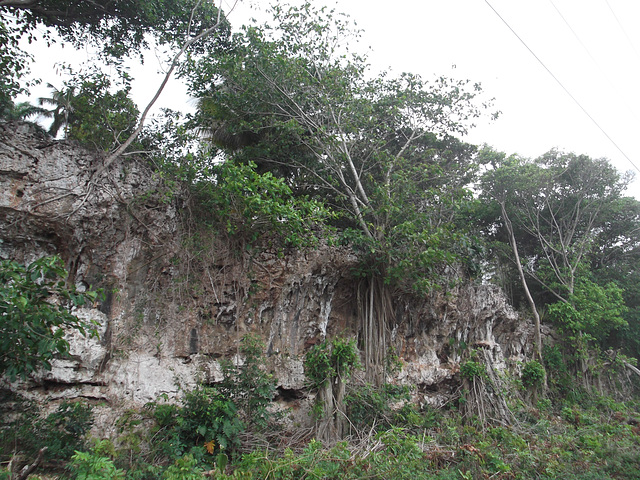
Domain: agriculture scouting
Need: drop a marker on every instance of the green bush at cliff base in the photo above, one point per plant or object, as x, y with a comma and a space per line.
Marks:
95, 464
589, 441
26, 430
212, 417
35, 307
250, 387
206, 423
382, 407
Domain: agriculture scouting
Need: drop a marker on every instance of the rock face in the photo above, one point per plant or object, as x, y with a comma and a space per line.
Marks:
178, 297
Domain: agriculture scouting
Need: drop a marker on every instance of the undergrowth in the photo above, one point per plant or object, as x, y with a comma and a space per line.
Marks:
228, 431
577, 442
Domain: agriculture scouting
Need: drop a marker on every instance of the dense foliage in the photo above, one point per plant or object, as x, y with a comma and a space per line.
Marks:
294, 144
589, 437
26, 430
88, 110
250, 205
35, 312
380, 151
558, 211
118, 29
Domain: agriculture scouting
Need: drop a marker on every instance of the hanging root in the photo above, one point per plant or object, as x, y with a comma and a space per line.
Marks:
376, 312
484, 394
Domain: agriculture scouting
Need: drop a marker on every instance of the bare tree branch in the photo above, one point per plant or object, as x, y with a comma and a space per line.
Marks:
174, 63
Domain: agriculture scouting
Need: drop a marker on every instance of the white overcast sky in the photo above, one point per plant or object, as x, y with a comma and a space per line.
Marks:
591, 46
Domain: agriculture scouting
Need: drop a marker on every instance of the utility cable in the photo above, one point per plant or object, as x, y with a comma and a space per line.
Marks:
623, 30
597, 64
562, 86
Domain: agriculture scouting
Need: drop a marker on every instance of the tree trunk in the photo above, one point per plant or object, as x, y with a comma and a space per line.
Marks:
326, 426
28, 469
532, 304
340, 414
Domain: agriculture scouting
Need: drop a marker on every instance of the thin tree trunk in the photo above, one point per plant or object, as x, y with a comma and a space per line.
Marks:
340, 414
532, 304
28, 469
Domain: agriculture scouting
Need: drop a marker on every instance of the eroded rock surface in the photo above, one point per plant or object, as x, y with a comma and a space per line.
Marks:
178, 299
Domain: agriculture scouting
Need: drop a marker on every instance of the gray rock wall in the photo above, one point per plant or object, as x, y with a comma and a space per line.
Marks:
178, 298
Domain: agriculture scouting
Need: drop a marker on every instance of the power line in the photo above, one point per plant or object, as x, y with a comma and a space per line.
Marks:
562, 86
623, 30
597, 64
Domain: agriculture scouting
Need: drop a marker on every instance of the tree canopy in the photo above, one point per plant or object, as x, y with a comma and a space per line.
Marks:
562, 211
117, 29
378, 150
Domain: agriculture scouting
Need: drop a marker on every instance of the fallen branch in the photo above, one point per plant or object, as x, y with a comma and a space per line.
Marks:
28, 469
632, 368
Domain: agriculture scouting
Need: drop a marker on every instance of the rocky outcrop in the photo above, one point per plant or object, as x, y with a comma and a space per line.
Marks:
178, 297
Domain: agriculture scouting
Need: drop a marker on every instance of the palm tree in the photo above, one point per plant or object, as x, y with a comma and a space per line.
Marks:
62, 103
21, 111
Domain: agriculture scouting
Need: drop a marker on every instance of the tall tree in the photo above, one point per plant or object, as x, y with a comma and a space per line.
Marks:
499, 184
376, 149
554, 209
616, 258
99, 115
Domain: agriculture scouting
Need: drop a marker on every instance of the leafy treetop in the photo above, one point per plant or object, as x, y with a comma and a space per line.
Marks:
120, 28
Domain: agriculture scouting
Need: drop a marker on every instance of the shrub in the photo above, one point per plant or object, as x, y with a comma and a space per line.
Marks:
209, 418
249, 204
250, 388
368, 405
35, 307
62, 432
185, 468
473, 370
95, 465
533, 374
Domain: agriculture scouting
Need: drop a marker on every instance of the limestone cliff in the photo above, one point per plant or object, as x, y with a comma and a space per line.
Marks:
178, 298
